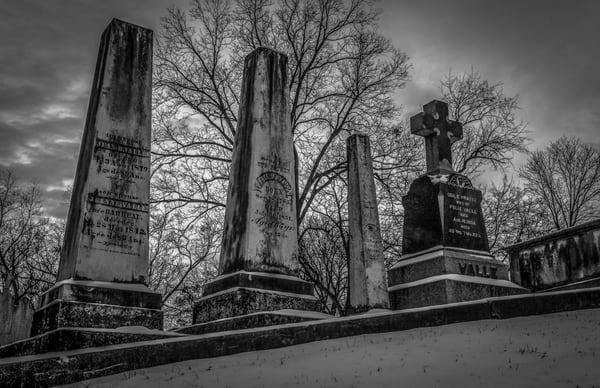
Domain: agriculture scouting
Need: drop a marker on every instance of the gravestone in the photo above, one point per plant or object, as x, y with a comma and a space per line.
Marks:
258, 264
367, 282
103, 271
445, 250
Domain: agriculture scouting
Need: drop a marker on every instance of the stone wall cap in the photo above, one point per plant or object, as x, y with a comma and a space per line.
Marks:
573, 230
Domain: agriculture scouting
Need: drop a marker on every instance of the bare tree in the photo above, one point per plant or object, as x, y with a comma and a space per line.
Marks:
183, 244
511, 216
565, 178
342, 74
492, 133
29, 242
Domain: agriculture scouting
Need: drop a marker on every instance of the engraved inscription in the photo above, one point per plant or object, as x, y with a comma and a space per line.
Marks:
463, 214
274, 216
274, 162
483, 271
117, 211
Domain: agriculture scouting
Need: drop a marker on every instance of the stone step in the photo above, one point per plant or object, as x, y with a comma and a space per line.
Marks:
77, 365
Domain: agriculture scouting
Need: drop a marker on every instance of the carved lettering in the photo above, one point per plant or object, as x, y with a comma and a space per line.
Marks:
116, 218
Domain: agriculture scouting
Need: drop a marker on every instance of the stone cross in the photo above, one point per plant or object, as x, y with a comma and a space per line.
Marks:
439, 133
367, 281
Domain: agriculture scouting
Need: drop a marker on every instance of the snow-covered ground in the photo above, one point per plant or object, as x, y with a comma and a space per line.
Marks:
557, 350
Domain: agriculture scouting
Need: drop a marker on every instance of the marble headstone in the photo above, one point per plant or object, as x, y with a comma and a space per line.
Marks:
258, 265
367, 280
103, 269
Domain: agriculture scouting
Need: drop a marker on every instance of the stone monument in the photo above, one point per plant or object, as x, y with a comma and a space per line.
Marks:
367, 284
103, 271
445, 250
258, 265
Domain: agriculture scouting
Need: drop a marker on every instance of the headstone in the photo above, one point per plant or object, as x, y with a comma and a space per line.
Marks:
367, 281
258, 265
445, 250
103, 271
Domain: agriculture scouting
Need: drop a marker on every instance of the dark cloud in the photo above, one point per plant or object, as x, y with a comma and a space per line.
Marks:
545, 51
49, 50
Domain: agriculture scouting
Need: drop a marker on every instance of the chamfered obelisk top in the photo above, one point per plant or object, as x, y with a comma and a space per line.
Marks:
439, 133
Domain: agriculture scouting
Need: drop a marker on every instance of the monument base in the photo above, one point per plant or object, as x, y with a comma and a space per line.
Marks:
93, 304
64, 339
443, 275
243, 293
253, 320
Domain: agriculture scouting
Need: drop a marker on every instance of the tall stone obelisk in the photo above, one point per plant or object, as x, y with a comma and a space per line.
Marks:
103, 272
258, 265
367, 280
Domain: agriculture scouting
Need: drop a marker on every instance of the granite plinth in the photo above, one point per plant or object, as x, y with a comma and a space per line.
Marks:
238, 301
445, 260
260, 280
447, 275
63, 339
68, 313
248, 321
445, 289
95, 304
120, 294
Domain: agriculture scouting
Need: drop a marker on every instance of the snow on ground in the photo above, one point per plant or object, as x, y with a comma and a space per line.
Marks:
556, 350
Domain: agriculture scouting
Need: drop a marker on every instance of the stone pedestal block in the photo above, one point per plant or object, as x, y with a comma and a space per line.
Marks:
97, 305
447, 275
444, 289
244, 293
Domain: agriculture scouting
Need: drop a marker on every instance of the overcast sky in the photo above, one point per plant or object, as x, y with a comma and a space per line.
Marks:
547, 52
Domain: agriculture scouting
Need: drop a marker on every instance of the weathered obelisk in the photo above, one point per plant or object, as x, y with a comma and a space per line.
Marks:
103, 272
445, 251
367, 280
259, 256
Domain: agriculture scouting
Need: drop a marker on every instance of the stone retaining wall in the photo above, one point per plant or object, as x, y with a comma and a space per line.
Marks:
557, 259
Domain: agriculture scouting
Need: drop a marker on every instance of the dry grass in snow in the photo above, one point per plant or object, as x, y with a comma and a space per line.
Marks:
556, 350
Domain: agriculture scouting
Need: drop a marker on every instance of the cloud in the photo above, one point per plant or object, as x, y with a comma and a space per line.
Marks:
546, 52
49, 51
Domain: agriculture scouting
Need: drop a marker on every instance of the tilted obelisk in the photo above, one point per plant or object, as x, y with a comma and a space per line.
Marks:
445, 251
103, 271
367, 280
258, 266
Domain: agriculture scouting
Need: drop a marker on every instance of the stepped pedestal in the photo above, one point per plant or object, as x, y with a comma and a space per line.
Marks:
442, 275
445, 248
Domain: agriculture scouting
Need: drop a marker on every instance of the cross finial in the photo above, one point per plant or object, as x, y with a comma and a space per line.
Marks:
439, 133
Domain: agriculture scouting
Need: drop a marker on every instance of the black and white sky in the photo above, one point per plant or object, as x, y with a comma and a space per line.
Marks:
547, 52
